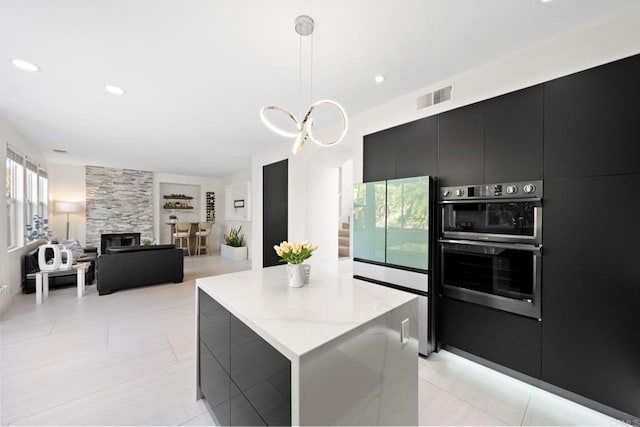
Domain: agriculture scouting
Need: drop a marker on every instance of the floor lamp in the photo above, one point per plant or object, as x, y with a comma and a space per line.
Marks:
67, 207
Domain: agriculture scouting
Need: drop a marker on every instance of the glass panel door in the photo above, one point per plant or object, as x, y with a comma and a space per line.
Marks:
369, 220
408, 222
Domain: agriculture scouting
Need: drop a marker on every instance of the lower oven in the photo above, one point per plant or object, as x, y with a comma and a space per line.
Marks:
504, 276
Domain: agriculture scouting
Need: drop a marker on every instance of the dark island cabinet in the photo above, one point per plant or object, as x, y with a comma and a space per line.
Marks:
513, 136
591, 289
592, 121
243, 378
404, 151
461, 146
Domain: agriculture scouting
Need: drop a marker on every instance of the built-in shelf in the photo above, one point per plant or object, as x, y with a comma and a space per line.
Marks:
186, 208
177, 197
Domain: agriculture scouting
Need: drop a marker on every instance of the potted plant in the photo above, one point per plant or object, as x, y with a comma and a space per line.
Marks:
234, 248
294, 254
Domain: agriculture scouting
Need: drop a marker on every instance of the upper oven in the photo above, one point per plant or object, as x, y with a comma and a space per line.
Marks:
510, 212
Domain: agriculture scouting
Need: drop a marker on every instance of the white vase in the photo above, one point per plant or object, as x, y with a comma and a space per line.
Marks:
54, 263
66, 260
298, 274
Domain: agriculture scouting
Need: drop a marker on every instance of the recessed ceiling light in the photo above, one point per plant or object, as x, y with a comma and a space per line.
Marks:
379, 78
114, 90
57, 150
24, 65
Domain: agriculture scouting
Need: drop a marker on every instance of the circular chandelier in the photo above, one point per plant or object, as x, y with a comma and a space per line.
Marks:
304, 126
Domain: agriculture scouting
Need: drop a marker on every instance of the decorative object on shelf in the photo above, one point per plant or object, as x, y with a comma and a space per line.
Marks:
173, 219
304, 127
238, 204
67, 207
294, 254
38, 229
55, 259
234, 245
178, 196
211, 206
177, 205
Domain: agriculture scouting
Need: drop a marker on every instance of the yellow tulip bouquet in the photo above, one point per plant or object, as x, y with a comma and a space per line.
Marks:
295, 253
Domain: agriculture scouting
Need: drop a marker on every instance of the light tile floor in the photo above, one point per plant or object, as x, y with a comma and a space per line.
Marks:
128, 359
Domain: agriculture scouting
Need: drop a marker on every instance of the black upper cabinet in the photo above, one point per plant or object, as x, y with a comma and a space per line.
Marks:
461, 146
379, 156
401, 152
590, 289
513, 136
591, 121
417, 148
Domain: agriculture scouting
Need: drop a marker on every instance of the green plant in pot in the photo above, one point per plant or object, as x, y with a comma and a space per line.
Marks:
234, 238
234, 248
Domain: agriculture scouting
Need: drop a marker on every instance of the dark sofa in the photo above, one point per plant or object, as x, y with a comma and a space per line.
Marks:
30, 265
131, 266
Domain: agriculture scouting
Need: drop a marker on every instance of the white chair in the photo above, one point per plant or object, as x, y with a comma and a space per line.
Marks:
183, 230
204, 231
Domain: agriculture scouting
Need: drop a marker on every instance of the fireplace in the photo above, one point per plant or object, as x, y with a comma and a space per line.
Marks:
118, 239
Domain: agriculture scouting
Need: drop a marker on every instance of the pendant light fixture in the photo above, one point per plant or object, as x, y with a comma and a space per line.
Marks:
304, 125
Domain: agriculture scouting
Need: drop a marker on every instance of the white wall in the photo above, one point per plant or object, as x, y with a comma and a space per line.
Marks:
612, 38
11, 261
67, 183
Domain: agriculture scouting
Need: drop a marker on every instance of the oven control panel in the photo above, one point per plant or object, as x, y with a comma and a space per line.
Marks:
510, 190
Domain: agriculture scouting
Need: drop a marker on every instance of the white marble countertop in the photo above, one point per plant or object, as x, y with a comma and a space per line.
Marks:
298, 320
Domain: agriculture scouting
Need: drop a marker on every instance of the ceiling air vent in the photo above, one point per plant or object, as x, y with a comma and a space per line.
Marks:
435, 97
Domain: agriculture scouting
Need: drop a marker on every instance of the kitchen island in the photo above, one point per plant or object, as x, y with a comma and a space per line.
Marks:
337, 351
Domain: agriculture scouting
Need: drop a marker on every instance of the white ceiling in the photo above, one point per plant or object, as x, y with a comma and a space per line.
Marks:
196, 72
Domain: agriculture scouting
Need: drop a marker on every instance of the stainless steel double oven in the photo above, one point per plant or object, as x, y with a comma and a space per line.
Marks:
491, 245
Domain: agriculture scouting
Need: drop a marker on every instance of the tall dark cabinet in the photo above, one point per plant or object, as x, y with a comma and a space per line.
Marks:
591, 291
275, 208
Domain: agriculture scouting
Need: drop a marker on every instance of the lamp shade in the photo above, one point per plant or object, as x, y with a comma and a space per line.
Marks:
67, 207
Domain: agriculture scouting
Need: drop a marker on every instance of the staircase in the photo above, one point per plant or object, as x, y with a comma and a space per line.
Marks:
343, 240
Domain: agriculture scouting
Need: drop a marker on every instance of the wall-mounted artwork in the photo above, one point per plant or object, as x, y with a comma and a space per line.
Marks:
211, 206
238, 203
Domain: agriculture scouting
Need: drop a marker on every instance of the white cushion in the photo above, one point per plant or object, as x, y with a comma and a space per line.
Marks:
181, 234
202, 233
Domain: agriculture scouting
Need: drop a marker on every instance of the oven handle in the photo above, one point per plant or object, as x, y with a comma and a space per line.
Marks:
516, 246
496, 200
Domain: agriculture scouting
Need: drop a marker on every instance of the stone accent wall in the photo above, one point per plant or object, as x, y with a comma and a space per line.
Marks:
118, 201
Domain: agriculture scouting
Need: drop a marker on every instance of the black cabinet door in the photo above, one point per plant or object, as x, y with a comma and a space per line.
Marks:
275, 181
591, 121
259, 371
461, 146
504, 338
513, 136
591, 289
275, 207
379, 156
416, 148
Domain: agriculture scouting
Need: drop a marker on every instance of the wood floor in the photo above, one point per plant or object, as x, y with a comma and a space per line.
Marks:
127, 359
